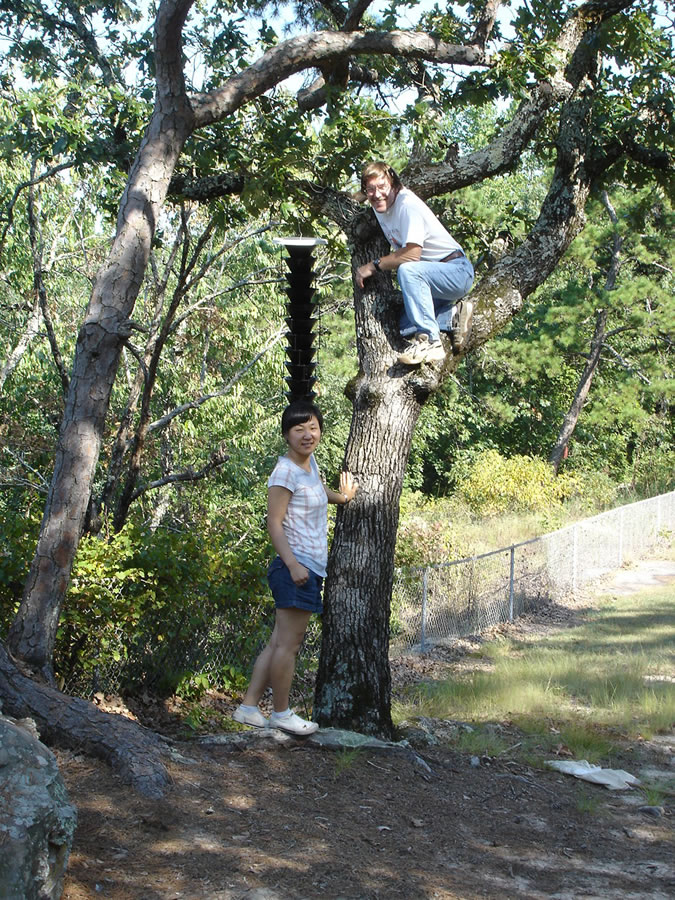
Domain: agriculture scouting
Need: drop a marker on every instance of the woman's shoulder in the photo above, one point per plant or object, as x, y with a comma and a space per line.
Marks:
283, 471
287, 473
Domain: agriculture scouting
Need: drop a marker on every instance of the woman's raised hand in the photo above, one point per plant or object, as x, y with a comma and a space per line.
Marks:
348, 485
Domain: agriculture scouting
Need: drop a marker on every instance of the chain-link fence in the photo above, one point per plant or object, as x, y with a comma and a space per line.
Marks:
222, 652
432, 604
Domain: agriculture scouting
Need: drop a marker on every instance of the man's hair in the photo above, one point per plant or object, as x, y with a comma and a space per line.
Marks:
298, 412
375, 170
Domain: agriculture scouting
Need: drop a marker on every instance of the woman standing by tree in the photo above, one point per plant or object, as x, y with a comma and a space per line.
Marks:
296, 520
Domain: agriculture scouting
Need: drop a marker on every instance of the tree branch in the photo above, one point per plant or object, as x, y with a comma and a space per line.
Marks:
22, 187
318, 49
217, 458
195, 404
625, 364
39, 286
486, 22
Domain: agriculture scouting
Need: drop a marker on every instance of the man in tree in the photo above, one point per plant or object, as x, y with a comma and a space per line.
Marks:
432, 270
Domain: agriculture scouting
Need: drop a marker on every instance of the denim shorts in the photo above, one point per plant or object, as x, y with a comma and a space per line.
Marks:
287, 594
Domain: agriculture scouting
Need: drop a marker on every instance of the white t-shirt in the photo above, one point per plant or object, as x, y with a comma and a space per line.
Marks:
410, 221
306, 522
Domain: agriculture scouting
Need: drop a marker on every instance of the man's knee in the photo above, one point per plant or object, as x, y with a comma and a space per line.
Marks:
407, 271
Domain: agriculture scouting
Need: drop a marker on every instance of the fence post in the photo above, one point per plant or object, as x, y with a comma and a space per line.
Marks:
511, 579
658, 516
425, 593
620, 537
575, 541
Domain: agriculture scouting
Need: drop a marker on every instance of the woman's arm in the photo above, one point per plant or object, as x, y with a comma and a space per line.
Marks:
278, 499
347, 492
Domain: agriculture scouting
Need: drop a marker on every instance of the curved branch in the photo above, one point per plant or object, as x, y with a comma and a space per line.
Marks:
81, 29
217, 458
354, 14
626, 145
504, 151
169, 23
316, 95
486, 22
316, 50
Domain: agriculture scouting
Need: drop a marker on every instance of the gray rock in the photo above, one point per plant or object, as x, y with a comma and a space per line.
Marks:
37, 821
654, 811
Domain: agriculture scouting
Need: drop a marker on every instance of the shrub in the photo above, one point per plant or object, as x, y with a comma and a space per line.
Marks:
494, 485
653, 470
426, 534
142, 606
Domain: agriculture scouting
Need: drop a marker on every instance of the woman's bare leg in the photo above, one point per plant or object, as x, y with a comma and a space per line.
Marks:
275, 666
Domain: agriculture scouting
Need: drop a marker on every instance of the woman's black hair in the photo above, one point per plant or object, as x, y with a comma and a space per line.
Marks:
298, 412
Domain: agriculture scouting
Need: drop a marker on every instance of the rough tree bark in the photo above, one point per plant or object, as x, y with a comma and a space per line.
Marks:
353, 684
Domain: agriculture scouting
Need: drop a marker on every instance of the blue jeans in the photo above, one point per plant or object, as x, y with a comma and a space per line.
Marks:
430, 291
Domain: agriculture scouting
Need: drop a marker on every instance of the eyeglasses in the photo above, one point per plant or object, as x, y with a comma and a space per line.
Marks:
380, 187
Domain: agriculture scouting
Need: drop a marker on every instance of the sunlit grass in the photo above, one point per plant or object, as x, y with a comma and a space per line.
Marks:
611, 674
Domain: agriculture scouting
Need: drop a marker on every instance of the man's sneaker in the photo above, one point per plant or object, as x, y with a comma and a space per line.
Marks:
249, 715
292, 723
460, 329
422, 350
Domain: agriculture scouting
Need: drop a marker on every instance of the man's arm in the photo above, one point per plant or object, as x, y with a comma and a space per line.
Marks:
390, 262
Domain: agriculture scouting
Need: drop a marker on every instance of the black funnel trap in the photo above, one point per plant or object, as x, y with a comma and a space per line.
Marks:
300, 319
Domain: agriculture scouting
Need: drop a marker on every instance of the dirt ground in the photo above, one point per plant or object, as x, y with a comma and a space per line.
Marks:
269, 818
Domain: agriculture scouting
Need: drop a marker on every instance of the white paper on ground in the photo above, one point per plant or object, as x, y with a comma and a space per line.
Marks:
614, 779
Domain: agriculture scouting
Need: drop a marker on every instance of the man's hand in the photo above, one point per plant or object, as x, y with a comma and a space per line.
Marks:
364, 272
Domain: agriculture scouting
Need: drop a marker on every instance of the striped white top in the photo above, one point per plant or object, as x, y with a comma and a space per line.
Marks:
306, 521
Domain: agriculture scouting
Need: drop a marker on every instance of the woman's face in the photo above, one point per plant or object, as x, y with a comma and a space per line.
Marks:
302, 439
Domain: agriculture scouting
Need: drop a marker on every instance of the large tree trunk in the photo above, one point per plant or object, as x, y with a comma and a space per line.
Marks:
99, 345
354, 686
353, 681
